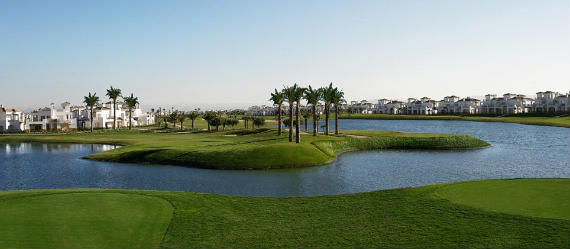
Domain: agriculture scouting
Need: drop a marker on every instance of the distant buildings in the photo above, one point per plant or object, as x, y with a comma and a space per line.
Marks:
67, 117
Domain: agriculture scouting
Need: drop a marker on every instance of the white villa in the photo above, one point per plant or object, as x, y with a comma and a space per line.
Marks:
11, 119
551, 102
508, 104
52, 118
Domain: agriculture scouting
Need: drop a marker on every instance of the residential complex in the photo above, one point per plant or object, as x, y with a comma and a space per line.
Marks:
509, 103
67, 117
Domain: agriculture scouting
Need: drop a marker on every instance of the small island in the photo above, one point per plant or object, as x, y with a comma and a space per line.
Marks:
259, 148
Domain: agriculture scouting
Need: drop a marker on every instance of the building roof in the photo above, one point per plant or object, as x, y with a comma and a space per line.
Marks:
9, 109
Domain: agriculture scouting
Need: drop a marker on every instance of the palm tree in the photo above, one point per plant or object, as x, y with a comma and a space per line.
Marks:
338, 98
181, 118
131, 102
289, 93
91, 101
299, 92
193, 116
306, 115
278, 99
209, 116
327, 97
313, 96
114, 93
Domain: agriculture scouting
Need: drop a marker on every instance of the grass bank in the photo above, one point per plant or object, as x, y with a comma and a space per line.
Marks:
246, 149
436, 216
548, 121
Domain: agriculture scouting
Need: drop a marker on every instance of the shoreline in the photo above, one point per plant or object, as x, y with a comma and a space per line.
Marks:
263, 150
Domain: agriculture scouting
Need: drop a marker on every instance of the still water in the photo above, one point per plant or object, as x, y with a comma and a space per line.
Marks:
517, 151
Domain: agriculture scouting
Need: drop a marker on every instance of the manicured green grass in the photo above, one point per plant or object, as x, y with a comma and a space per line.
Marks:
548, 198
400, 218
247, 149
548, 121
64, 219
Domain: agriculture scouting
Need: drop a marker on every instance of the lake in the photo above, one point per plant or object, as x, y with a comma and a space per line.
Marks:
517, 151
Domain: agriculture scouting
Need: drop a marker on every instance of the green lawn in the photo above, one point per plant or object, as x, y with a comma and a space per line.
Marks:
548, 121
402, 218
64, 219
246, 149
548, 198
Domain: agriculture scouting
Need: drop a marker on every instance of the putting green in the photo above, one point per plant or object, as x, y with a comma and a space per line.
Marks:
84, 220
547, 198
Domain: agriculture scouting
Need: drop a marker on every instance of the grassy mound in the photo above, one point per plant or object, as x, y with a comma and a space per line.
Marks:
82, 220
241, 149
400, 218
545, 120
546, 198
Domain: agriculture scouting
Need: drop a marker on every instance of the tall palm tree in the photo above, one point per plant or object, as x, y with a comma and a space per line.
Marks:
91, 101
313, 96
338, 98
327, 97
113, 94
131, 102
299, 92
181, 118
193, 116
278, 98
290, 95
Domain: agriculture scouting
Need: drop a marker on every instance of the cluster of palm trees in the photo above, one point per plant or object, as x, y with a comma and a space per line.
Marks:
131, 101
293, 95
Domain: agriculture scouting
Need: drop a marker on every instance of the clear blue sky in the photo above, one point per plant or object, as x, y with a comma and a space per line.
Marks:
189, 53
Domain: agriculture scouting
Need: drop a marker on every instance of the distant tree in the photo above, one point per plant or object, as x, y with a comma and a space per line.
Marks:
278, 98
209, 116
232, 122
131, 102
91, 101
299, 93
258, 121
193, 115
327, 97
306, 114
286, 122
313, 96
181, 118
337, 99
290, 96
113, 94
173, 117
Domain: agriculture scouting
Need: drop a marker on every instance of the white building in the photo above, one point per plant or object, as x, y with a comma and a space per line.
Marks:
363, 107
11, 119
468, 106
508, 104
51, 118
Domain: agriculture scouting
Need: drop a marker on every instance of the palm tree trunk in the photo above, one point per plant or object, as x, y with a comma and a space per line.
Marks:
279, 120
298, 123
114, 114
315, 122
306, 123
327, 116
291, 121
192, 124
130, 119
91, 119
336, 119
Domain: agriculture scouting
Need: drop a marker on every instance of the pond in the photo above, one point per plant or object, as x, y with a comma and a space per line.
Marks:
517, 151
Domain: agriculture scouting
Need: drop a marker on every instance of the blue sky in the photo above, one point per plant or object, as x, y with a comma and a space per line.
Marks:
220, 53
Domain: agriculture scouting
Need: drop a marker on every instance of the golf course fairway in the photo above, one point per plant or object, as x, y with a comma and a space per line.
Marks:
521, 213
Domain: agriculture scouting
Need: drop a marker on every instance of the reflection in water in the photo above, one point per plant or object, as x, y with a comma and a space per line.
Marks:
517, 151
